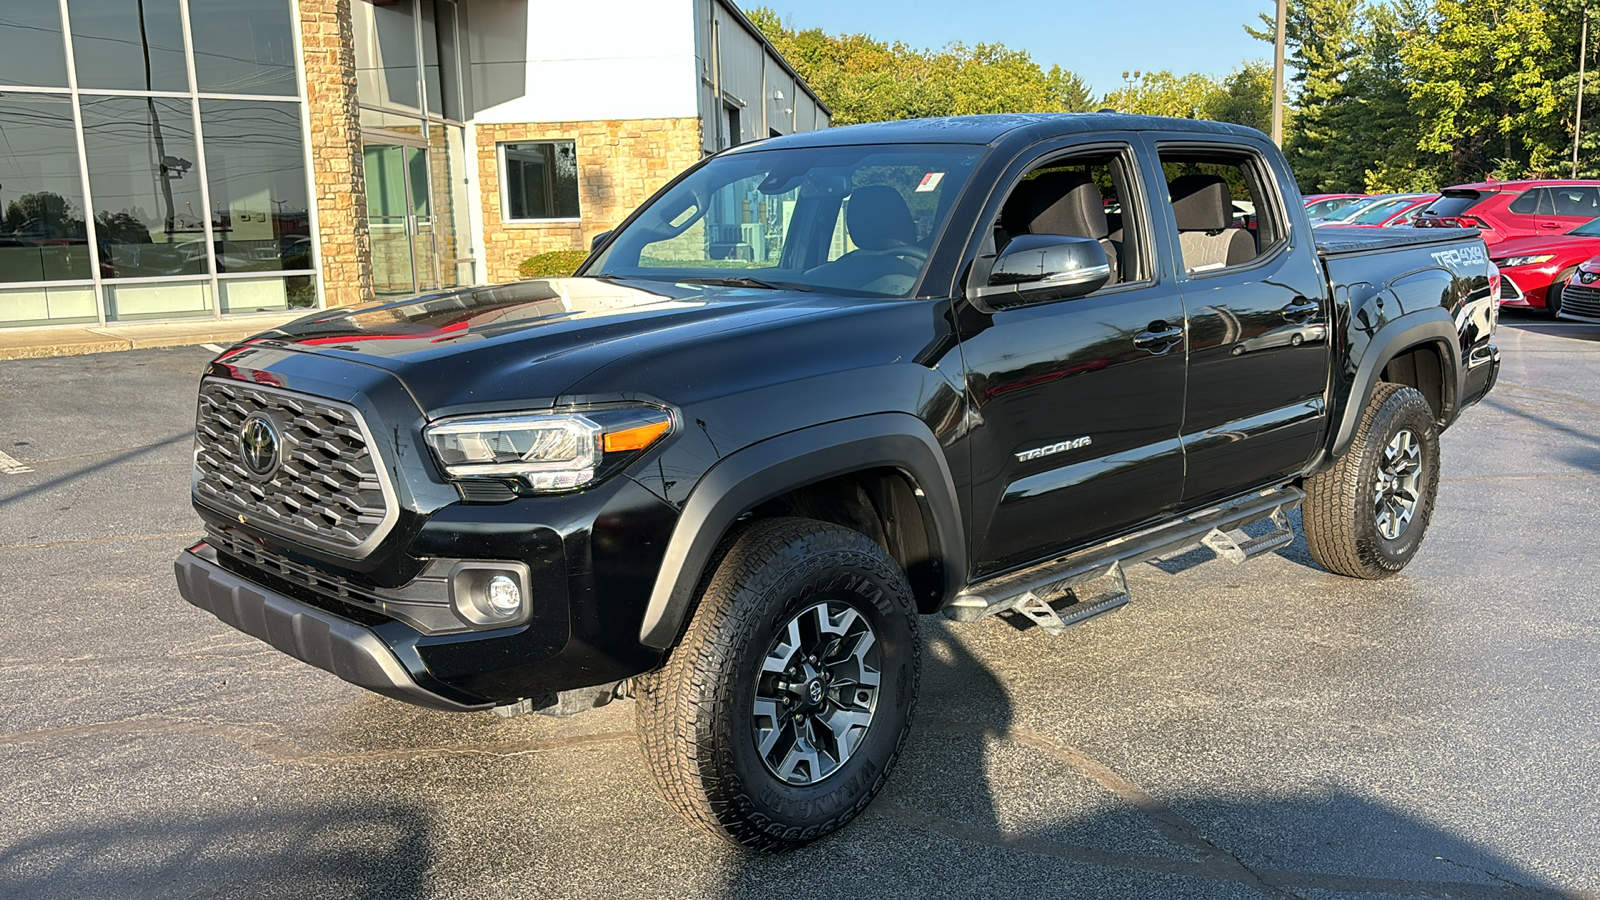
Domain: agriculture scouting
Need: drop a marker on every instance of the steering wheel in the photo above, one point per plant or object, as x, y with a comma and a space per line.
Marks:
904, 251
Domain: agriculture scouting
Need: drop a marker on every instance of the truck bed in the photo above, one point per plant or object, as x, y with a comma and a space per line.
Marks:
1334, 240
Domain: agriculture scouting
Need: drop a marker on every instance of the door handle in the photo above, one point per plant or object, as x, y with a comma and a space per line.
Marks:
1300, 307
1159, 339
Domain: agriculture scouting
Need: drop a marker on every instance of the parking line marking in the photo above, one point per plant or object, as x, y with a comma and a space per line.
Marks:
10, 466
212, 347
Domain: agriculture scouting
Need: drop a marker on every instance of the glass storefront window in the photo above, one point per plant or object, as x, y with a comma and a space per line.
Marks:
128, 45
386, 55
541, 180
256, 168
32, 51
243, 46
47, 305
440, 59
148, 207
43, 233
170, 300
249, 295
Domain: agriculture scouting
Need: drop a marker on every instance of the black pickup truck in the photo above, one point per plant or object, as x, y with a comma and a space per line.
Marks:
816, 387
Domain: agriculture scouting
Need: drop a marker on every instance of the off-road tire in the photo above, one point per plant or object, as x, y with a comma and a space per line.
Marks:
694, 716
1340, 524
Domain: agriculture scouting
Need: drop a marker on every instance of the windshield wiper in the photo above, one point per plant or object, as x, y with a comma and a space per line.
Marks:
745, 281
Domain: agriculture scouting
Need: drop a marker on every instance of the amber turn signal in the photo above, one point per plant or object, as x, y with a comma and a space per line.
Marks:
636, 438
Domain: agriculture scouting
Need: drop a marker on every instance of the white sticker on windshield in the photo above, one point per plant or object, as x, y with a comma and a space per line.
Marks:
930, 182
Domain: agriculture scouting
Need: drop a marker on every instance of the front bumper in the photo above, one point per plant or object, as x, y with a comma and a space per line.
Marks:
349, 650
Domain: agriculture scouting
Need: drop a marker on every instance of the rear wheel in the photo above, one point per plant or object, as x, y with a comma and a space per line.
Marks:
1365, 515
778, 717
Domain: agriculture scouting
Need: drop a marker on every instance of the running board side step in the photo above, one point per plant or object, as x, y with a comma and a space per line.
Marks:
1095, 578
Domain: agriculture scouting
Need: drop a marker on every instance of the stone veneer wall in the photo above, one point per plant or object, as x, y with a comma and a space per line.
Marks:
620, 164
337, 178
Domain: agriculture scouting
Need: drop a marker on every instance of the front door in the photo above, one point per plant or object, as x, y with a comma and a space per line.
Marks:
1077, 404
400, 219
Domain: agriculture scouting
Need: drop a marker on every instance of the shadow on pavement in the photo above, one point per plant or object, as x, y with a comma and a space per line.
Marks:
359, 851
980, 806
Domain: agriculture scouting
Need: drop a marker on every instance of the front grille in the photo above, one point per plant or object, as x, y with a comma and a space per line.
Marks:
423, 602
1582, 301
1508, 289
327, 491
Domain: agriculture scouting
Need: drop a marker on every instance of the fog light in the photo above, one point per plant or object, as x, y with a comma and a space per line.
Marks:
505, 597
490, 593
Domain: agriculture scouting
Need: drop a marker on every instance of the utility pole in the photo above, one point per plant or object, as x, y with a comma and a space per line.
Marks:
1577, 124
1277, 75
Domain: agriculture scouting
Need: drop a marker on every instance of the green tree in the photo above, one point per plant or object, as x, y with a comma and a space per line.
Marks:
1320, 44
1165, 94
1244, 97
1386, 126
867, 80
1487, 87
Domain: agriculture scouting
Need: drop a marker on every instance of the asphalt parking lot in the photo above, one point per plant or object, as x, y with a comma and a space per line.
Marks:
1271, 730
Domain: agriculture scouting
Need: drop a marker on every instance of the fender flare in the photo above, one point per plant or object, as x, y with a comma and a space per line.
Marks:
1429, 326
772, 467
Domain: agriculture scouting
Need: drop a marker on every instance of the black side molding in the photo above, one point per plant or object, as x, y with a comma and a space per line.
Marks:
765, 470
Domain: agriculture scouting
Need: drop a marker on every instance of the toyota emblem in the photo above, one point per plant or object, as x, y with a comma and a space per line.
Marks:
258, 445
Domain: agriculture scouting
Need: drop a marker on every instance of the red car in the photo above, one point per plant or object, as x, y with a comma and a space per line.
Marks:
1535, 270
1320, 206
1580, 295
1503, 210
1390, 211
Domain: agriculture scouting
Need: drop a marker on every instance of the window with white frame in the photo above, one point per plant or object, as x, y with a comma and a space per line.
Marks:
540, 180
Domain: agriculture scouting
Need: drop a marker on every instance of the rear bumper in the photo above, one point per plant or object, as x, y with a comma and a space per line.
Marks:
1482, 372
349, 650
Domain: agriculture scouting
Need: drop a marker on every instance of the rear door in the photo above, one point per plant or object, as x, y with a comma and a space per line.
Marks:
1569, 206
1258, 323
1075, 404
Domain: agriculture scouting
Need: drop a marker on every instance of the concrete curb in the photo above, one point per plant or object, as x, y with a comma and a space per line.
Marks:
41, 343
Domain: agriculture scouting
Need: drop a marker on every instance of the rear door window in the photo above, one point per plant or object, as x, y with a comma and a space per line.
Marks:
1528, 203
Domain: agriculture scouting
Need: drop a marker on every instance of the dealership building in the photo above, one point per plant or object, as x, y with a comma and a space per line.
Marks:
192, 159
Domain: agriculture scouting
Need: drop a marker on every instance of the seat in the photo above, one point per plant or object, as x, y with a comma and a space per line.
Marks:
1064, 203
877, 218
1203, 208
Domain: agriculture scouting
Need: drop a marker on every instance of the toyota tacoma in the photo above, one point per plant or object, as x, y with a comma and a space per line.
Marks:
815, 388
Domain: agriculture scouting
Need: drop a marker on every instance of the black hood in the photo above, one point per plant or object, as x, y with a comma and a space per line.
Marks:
467, 348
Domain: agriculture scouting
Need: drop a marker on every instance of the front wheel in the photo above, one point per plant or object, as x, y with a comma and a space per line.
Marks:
1552, 294
1366, 513
778, 717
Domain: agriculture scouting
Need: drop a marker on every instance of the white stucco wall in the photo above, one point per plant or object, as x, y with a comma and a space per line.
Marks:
546, 61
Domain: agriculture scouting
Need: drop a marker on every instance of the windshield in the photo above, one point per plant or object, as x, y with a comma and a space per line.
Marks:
1355, 209
854, 220
1590, 228
1377, 213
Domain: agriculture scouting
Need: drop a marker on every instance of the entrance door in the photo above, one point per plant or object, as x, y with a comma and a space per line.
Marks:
400, 219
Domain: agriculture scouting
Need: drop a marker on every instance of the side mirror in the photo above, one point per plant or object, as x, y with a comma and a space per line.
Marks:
1035, 268
597, 240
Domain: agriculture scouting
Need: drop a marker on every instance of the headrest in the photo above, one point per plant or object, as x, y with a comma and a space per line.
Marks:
1201, 202
878, 218
1067, 203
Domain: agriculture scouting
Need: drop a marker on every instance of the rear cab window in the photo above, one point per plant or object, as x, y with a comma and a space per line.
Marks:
1225, 211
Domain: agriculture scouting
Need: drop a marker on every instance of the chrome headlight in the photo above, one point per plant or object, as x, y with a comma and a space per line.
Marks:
1513, 261
544, 451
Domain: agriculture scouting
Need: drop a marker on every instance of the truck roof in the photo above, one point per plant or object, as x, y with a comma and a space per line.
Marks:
992, 128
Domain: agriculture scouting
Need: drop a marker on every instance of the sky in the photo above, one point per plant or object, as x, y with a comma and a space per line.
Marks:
1098, 40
